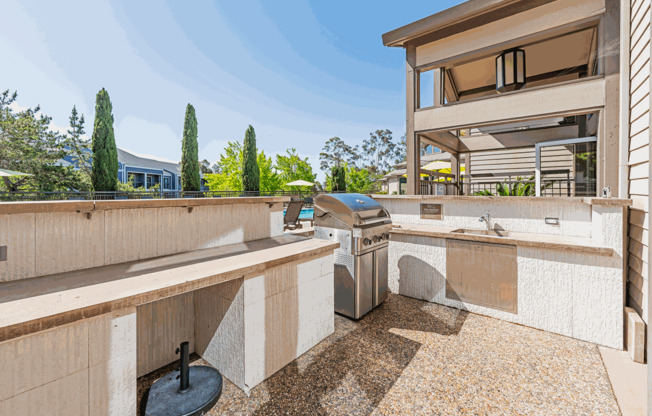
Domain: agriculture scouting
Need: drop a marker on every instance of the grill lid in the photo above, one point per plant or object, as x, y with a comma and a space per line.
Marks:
354, 210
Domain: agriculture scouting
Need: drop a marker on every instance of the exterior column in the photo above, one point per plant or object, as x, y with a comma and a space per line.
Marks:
649, 241
467, 173
455, 170
411, 139
608, 151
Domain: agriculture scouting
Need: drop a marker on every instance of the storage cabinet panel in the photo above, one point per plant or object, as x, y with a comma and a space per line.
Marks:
482, 273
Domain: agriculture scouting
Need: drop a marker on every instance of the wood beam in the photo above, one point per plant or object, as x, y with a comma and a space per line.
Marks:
581, 96
480, 142
441, 146
444, 140
439, 87
455, 170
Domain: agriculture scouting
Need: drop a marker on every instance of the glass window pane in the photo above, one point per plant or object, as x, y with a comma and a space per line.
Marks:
520, 66
509, 68
426, 89
499, 72
585, 163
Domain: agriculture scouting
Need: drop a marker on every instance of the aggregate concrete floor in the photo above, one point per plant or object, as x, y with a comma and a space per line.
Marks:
415, 357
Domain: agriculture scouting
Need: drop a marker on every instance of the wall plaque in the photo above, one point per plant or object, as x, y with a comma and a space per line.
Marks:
432, 211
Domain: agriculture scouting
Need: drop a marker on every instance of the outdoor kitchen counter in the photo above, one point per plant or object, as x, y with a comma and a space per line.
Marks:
576, 244
32, 305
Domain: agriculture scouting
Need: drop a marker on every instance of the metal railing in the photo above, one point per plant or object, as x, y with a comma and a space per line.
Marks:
549, 187
118, 195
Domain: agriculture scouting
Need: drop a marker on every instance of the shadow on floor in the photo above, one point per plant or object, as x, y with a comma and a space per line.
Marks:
350, 372
358, 367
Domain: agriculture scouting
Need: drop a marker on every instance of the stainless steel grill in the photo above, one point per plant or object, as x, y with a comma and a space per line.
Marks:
361, 226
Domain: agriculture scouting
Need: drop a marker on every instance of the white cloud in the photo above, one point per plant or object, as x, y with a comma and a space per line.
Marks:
148, 137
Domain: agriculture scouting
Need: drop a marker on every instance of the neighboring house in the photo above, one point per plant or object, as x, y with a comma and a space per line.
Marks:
146, 171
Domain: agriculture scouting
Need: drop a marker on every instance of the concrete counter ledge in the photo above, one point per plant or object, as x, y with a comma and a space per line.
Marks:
32, 305
506, 199
85, 206
576, 244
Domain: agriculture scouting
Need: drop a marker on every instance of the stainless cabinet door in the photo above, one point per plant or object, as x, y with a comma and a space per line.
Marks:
380, 282
364, 301
345, 285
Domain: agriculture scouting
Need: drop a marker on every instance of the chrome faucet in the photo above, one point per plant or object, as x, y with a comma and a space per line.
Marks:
486, 218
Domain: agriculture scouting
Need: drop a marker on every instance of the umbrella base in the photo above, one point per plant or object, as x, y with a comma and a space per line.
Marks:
165, 399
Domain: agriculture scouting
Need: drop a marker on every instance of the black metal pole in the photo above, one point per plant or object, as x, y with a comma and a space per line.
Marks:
185, 367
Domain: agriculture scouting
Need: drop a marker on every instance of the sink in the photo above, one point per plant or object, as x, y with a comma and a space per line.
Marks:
490, 233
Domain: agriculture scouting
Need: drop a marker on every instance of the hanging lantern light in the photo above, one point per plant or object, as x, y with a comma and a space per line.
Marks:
510, 70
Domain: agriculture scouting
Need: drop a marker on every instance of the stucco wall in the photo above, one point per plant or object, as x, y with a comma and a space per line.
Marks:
574, 217
43, 243
577, 294
85, 368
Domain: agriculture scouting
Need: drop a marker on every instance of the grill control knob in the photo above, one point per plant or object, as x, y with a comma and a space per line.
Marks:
377, 238
366, 241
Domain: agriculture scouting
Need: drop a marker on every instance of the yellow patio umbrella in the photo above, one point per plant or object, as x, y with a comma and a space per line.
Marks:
438, 165
448, 171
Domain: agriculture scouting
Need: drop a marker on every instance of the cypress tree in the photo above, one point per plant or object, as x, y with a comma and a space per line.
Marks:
190, 180
338, 179
105, 153
250, 171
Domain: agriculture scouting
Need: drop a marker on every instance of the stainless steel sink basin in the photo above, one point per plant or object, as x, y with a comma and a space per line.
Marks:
490, 233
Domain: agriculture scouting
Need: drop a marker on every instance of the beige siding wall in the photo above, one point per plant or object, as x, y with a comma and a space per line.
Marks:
503, 164
639, 142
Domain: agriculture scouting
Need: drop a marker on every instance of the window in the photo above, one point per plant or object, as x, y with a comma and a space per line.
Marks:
584, 165
585, 158
426, 89
166, 183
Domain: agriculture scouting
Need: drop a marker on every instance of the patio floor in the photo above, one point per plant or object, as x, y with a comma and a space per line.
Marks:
415, 357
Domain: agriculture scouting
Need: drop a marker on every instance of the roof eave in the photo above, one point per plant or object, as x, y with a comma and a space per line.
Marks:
464, 11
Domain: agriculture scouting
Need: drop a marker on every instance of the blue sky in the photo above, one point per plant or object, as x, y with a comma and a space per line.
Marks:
300, 72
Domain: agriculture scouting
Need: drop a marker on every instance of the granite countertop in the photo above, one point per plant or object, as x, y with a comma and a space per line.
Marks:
577, 244
35, 304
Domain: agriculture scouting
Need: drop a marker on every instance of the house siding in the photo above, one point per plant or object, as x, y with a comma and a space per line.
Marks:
639, 152
506, 164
